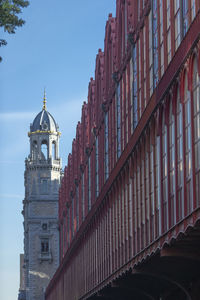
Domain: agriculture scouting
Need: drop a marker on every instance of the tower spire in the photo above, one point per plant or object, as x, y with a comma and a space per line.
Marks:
44, 100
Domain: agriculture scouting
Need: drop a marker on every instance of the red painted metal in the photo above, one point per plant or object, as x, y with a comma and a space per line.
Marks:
122, 227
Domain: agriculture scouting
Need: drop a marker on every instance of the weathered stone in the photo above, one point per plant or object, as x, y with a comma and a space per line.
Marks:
42, 179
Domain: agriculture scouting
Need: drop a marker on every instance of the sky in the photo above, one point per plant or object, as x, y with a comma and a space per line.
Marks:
56, 50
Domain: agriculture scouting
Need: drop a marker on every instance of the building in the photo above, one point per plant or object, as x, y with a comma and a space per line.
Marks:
22, 287
40, 206
129, 203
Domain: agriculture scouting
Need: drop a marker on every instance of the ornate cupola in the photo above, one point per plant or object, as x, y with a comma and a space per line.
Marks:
44, 136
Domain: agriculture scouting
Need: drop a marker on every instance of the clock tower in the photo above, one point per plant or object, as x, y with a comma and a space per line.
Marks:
40, 207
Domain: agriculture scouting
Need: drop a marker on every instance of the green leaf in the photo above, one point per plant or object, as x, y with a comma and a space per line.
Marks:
9, 19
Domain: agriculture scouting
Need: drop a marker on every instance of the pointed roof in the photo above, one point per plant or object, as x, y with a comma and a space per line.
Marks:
44, 121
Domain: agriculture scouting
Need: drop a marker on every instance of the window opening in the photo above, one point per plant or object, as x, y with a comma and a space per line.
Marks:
44, 186
172, 164
188, 145
169, 50
83, 196
54, 150
44, 226
97, 165
196, 120
158, 195
118, 120
73, 216
44, 149
151, 80
45, 246
135, 89
193, 9
155, 43
179, 142
164, 174
106, 146
89, 183
68, 227
185, 16
161, 39
177, 16
77, 206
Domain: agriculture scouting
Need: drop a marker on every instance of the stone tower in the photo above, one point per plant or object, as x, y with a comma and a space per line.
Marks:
40, 206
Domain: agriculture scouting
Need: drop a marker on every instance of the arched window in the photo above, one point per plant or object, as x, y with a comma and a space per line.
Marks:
65, 234
106, 149
139, 43
83, 195
181, 18
138, 9
89, 184
144, 66
72, 217
150, 54
152, 182
121, 36
179, 141
169, 49
125, 23
98, 87
188, 145
77, 207
161, 38
135, 88
68, 227
97, 166
44, 186
44, 150
138, 201
147, 184
193, 9
130, 211
164, 173
172, 163
155, 29
157, 185
177, 20
142, 188
54, 150
196, 120
108, 59
185, 14
135, 215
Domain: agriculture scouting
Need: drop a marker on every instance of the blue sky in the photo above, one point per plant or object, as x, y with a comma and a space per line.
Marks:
55, 49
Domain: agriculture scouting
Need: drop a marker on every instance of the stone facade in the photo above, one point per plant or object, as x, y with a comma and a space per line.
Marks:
40, 206
22, 292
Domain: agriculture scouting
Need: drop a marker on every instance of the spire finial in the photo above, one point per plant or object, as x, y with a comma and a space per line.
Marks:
44, 100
